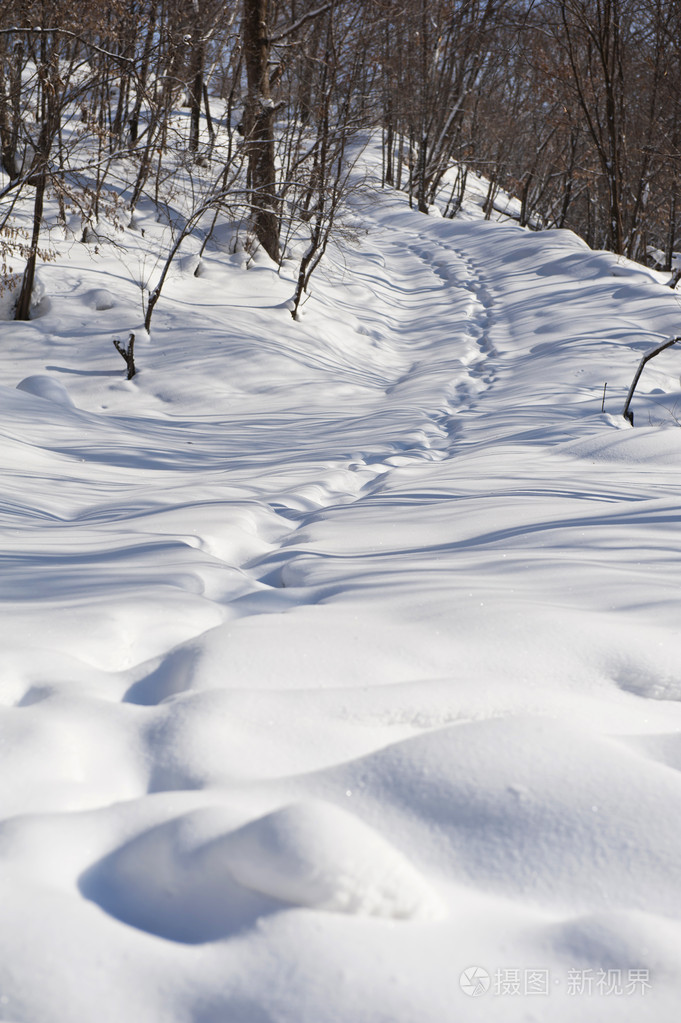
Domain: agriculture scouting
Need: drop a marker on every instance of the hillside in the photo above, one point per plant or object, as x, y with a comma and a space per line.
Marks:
341, 655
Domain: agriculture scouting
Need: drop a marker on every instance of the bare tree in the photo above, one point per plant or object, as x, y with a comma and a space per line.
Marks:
258, 124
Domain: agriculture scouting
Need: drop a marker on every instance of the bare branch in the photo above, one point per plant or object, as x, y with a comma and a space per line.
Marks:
290, 29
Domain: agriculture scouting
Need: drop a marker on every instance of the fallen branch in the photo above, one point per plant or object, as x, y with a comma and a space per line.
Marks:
629, 416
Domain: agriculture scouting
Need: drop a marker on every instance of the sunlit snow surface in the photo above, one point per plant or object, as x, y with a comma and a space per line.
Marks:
343, 656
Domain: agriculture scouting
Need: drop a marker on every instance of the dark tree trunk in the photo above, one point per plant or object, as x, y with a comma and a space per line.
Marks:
195, 100
23, 308
196, 96
258, 125
10, 115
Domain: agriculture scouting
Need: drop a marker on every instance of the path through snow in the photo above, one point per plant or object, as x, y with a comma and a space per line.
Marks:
342, 656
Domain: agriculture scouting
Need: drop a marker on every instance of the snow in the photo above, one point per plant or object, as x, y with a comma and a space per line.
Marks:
190, 879
47, 387
341, 656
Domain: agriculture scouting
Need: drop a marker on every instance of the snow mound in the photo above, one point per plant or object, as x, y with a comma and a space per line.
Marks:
509, 823
173, 881
193, 879
99, 299
317, 855
43, 386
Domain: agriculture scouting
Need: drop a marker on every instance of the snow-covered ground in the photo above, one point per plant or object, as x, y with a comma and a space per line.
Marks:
341, 659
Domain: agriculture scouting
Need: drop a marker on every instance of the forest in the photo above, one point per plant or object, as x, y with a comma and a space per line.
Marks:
255, 111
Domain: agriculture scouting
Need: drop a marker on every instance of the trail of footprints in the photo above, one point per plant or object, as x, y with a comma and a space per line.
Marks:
441, 314
455, 269
452, 323
440, 320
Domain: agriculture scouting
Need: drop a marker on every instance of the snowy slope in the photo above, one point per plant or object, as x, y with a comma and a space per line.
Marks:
341, 657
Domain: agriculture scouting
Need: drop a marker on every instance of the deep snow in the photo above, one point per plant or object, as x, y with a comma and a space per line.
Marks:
341, 657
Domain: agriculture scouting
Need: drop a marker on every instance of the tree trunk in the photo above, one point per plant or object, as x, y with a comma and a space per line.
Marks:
10, 115
23, 308
671, 230
258, 125
196, 98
